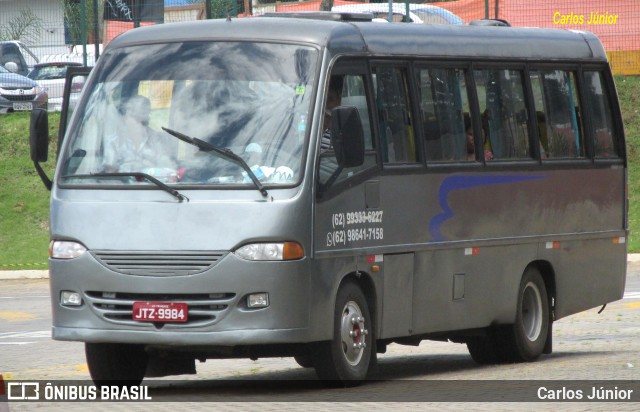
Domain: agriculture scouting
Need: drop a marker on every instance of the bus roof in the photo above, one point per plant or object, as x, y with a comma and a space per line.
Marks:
370, 38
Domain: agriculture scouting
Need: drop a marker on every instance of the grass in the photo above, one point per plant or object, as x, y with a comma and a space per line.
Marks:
24, 201
629, 96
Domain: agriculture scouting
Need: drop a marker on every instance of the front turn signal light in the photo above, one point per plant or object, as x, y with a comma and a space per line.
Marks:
292, 251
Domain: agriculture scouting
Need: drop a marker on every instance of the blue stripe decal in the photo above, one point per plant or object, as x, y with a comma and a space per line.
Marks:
451, 183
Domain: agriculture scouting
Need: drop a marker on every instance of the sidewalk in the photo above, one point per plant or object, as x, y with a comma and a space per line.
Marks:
44, 274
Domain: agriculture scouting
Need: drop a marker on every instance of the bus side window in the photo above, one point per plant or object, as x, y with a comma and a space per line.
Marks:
556, 102
597, 98
394, 115
504, 114
443, 101
352, 94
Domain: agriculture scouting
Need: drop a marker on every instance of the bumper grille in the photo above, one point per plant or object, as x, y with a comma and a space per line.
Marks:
159, 263
204, 308
20, 98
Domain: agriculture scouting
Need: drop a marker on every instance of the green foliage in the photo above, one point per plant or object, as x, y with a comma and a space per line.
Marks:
79, 21
24, 201
26, 27
629, 96
221, 9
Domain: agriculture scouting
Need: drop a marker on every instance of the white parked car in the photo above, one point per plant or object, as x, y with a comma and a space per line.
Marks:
418, 13
52, 76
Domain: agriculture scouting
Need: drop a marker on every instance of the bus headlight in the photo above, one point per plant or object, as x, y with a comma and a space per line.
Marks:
271, 251
60, 249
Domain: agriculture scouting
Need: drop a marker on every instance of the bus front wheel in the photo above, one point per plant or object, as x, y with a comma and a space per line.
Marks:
116, 363
350, 355
523, 341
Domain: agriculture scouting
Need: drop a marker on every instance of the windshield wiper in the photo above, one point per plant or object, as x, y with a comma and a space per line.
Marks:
145, 176
222, 152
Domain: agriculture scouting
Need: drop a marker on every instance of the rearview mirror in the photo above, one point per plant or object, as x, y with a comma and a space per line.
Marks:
39, 142
347, 136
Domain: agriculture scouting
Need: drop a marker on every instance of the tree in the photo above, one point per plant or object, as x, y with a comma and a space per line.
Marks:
326, 5
26, 27
221, 8
78, 28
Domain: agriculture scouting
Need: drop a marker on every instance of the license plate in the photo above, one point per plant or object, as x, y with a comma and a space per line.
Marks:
22, 106
160, 312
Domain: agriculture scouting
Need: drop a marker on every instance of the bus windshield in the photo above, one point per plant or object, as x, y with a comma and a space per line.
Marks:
249, 100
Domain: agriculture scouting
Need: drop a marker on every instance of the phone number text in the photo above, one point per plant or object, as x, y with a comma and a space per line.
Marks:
342, 237
356, 218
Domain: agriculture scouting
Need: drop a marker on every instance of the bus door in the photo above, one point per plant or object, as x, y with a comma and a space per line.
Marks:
366, 210
75, 80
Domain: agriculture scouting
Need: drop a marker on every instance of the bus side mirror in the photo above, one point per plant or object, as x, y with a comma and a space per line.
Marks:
39, 135
347, 136
39, 142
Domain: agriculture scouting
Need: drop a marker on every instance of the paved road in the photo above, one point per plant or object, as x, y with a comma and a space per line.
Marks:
587, 346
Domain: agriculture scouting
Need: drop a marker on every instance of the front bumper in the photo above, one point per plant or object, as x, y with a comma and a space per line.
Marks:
217, 295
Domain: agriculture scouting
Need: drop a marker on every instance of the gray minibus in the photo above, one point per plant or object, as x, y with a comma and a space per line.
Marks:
319, 186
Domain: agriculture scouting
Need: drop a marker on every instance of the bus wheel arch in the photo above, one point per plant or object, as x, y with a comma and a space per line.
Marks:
531, 333
350, 356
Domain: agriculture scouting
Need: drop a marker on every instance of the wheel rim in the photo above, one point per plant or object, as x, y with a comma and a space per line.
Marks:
532, 311
352, 333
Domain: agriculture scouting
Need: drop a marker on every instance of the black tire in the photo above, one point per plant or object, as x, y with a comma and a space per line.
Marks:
484, 349
523, 341
116, 364
304, 360
526, 338
348, 358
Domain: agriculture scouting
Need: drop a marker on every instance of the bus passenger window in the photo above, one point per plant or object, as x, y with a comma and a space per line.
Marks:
597, 99
444, 112
558, 114
394, 115
504, 114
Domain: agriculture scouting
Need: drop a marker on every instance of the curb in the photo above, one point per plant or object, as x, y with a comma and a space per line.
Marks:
44, 274
633, 257
23, 274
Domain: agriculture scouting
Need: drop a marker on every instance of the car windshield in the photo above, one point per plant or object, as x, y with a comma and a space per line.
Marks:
48, 72
249, 100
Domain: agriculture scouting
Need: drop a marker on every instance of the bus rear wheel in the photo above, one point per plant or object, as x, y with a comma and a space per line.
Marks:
116, 364
350, 355
523, 341
527, 337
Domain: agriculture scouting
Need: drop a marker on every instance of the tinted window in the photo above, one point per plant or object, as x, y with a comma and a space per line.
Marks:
345, 90
503, 111
597, 98
394, 115
9, 53
444, 112
558, 114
